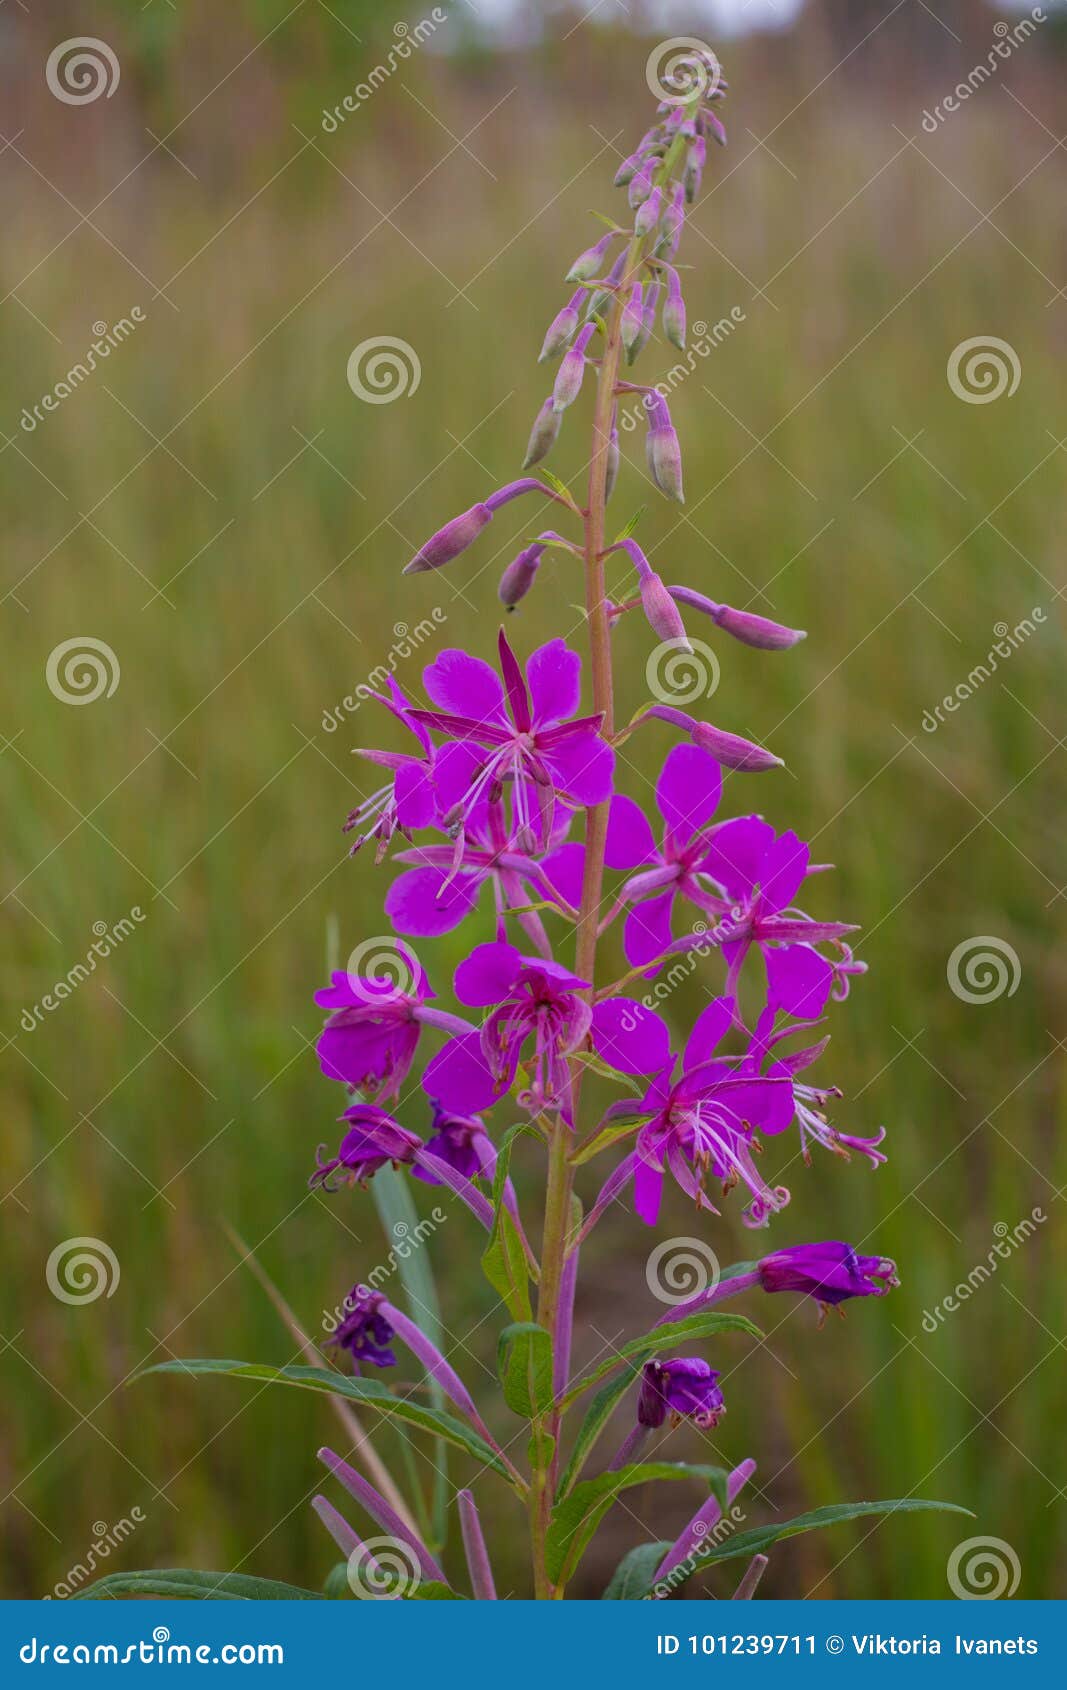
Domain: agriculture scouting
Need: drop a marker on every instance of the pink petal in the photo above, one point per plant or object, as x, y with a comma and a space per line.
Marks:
554, 676
487, 975
647, 932
424, 903
629, 842
799, 979
630, 1037
782, 875
465, 685
709, 1029
736, 854
582, 767
688, 791
460, 1078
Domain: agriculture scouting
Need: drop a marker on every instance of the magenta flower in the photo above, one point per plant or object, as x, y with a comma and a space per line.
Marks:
830, 1272
373, 1139
761, 873
525, 733
703, 1123
462, 1142
369, 1041
810, 1102
685, 1388
408, 800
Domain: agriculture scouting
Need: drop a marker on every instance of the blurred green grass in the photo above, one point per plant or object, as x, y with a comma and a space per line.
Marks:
248, 580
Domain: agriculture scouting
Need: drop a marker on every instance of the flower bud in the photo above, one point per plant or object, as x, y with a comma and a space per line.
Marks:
562, 329
450, 540
661, 612
649, 213
600, 297
571, 370
630, 327
628, 169
613, 461
648, 320
674, 216
743, 625
674, 312
641, 185
661, 445
695, 160
587, 264
544, 434
713, 127
732, 751
519, 575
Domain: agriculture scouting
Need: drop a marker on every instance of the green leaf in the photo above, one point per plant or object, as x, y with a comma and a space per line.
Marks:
432, 1590
369, 1393
634, 1577
524, 1363
596, 1418
504, 1259
183, 1581
589, 1059
629, 529
576, 1518
638, 1350
621, 1127
554, 481
337, 1587
635, 1574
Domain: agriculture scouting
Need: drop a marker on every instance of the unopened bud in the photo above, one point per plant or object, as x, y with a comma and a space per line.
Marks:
743, 625
613, 461
641, 184
519, 575
450, 540
562, 329
674, 312
630, 327
571, 370
543, 435
649, 213
663, 450
588, 263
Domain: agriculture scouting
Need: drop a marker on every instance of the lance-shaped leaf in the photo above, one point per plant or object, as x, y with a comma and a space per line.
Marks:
205, 1587
635, 1576
366, 1391
638, 1350
597, 1416
576, 1518
504, 1261
524, 1363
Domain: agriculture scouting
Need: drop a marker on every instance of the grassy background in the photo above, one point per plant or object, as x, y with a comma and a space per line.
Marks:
218, 506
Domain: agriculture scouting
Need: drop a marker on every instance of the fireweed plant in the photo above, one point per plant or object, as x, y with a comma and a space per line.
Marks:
501, 768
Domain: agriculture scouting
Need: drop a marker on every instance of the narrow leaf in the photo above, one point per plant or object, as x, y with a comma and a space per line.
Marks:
183, 1581
638, 1350
576, 1518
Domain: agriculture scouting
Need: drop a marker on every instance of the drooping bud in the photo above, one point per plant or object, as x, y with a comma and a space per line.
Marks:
630, 326
515, 490
628, 169
588, 263
450, 540
562, 329
713, 127
599, 297
641, 185
571, 370
674, 217
660, 609
674, 311
743, 625
544, 434
519, 575
661, 445
613, 460
649, 213
695, 160
730, 750
648, 320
